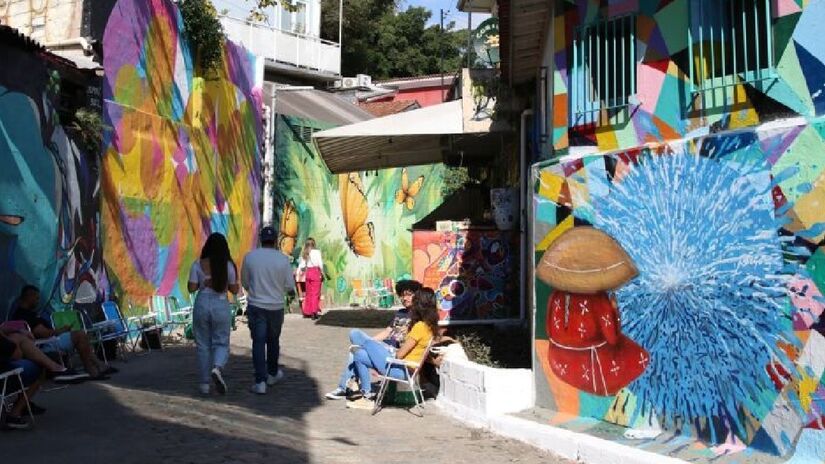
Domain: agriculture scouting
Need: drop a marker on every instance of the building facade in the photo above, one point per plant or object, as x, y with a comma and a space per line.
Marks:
690, 132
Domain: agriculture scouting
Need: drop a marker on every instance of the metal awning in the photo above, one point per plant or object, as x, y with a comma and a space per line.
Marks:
402, 139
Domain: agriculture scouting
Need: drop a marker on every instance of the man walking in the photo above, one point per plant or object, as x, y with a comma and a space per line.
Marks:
267, 277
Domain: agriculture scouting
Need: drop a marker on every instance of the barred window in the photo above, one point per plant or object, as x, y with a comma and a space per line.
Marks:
731, 42
603, 71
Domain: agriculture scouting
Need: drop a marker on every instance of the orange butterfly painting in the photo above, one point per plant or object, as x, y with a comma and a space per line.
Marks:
354, 207
288, 233
406, 194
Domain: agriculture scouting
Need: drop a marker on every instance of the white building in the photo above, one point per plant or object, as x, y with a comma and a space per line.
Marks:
289, 41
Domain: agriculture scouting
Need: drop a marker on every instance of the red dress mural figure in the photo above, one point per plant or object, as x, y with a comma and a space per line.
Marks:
587, 348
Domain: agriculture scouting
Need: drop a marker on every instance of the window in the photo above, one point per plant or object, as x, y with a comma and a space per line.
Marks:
730, 42
603, 71
295, 21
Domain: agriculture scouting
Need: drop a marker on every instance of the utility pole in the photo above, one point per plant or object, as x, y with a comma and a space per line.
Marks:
469, 34
441, 60
269, 161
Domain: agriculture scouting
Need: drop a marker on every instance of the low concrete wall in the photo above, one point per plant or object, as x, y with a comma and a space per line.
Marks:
474, 392
484, 396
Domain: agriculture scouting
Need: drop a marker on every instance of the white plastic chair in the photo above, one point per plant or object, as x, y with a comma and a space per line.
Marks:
20, 389
412, 370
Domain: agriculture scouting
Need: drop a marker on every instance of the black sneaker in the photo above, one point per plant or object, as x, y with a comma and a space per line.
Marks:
35, 409
110, 370
337, 394
217, 378
17, 423
68, 376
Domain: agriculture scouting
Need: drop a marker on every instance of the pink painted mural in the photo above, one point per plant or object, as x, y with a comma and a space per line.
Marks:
182, 157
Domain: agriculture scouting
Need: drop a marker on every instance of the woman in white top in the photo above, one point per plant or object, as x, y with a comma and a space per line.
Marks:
212, 276
311, 267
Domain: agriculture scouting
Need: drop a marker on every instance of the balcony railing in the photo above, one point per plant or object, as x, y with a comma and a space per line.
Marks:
289, 48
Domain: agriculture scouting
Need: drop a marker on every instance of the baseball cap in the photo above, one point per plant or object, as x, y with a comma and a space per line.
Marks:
268, 234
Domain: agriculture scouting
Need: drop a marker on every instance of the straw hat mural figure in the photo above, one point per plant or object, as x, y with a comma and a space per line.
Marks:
587, 348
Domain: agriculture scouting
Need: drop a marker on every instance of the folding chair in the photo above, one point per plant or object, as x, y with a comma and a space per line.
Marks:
175, 314
412, 379
140, 325
119, 332
18, 389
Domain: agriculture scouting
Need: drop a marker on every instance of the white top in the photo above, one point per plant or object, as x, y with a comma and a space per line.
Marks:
315, 260
199, 277
267, 277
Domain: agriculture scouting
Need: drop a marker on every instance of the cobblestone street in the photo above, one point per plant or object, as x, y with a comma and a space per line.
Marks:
150, 412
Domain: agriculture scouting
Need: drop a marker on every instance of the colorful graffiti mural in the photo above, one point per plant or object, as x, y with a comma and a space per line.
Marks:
727, 233
471, 270
361, 221
48, 189
666, 106
717, 197
182, 158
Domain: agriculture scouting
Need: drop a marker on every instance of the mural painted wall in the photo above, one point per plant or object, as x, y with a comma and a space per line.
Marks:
665, 106
49, 193
362, 221
726, 233
182, 158
471, 271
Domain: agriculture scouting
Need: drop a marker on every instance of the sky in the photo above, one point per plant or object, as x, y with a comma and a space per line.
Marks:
240, 9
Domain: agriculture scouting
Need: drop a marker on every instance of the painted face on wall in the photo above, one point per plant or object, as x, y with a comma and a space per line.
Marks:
29, 193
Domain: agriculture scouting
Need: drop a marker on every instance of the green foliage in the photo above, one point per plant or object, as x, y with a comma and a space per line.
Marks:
492, 346
455, 178
477, 349
385, 42
204, 33
88, 126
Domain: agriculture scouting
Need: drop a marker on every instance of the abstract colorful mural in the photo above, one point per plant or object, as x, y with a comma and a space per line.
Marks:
718, 198
666, 105
726, 232
361, 221
471, 271
49, 197
183, 155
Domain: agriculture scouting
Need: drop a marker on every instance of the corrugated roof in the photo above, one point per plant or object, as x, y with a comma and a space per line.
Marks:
319, 106
385, 108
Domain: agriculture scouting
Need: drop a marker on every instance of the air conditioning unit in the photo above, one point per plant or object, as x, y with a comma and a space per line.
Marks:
364, 80
349, 82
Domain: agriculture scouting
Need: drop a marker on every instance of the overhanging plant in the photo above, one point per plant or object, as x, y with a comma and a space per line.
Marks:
204, 32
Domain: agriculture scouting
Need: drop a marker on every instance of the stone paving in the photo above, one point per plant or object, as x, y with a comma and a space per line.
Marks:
150, 412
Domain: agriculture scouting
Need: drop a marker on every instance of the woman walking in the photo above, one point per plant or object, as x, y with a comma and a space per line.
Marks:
311, 267
212, 276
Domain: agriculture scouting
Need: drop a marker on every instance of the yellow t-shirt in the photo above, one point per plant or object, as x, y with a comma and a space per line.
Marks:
422, 335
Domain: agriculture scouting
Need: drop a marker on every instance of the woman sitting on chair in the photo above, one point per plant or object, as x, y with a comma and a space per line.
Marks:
372, 354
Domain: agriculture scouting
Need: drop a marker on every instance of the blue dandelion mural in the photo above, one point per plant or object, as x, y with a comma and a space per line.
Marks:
709, 301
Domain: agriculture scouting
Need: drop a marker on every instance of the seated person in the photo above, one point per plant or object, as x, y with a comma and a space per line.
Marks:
26, 309
373, 354
392, 335
19, 351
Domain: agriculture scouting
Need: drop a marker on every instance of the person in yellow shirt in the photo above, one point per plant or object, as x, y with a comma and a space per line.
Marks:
373, 354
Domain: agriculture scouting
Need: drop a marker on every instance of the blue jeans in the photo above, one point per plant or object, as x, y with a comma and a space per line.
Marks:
211, 325
265, 330
371, 354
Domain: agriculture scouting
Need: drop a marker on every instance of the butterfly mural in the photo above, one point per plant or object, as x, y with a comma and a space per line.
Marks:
354, 208
406, 194
288, 232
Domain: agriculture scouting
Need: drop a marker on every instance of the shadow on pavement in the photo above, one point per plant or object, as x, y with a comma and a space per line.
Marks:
151, 410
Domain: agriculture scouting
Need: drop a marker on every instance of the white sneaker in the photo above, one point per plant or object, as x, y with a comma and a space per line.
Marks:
217, 378
203, 388
258, 388
273, 379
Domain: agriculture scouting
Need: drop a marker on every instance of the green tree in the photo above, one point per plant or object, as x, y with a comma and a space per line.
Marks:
383, 41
